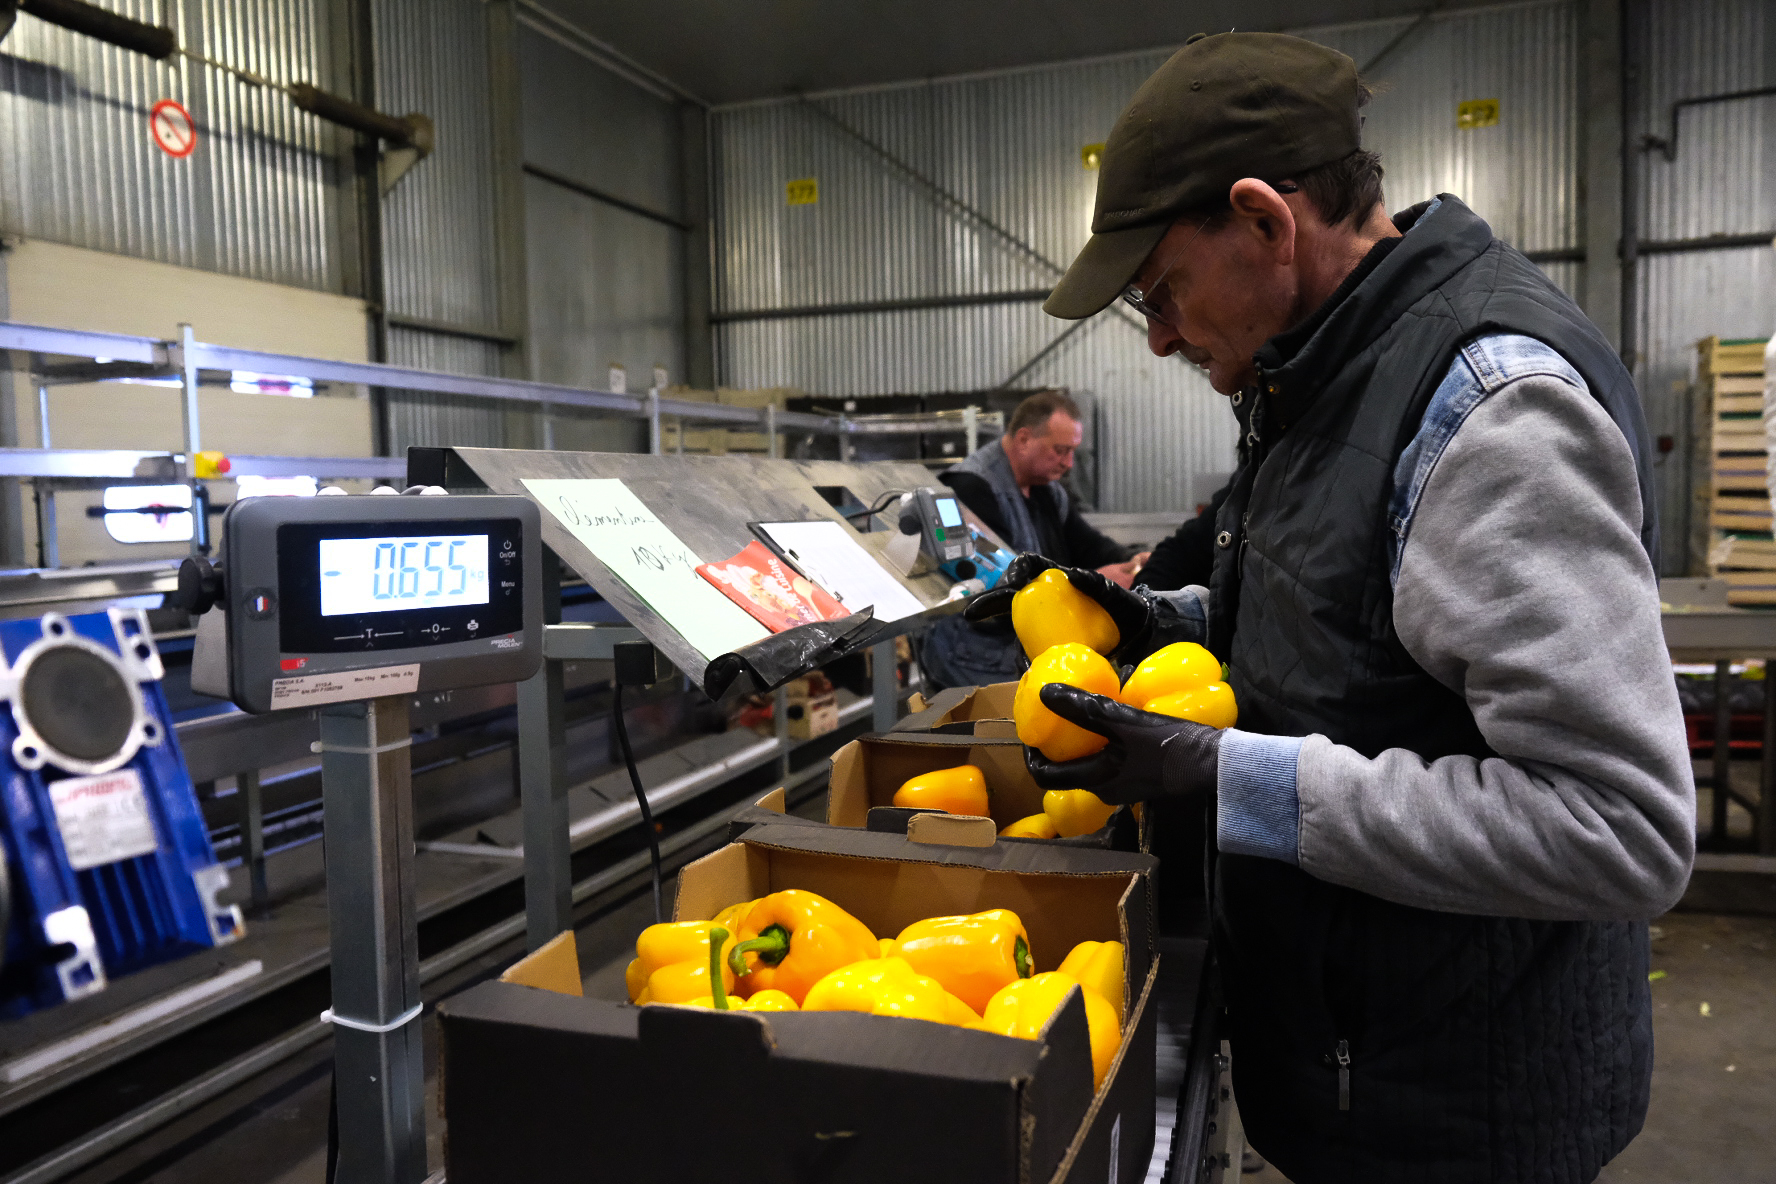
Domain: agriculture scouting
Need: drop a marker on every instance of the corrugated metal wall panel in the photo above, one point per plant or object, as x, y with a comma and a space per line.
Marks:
438, 223
253, 198
586, 123
422, 417
606, 289
1010, 146
1720, 183
1521, 175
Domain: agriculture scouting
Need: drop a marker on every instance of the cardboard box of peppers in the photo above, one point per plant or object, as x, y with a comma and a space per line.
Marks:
797, 951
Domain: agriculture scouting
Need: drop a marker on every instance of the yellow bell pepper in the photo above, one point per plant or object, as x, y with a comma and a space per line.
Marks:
1022, 1009
1036, 826
672, 963
730, 917
1049, 610
961, 790
1040, 728
763, 1001
1212, 705
1076, 811
970, 956
769, 1001
1098, 965
791, 940
1182, 666
887, 945
888, 986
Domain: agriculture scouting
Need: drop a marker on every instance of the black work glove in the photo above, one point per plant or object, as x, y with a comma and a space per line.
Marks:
1149, 756
1130, 611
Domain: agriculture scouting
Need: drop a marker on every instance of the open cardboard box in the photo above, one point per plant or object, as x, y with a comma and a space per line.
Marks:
956, 706
867, 771
543, 1086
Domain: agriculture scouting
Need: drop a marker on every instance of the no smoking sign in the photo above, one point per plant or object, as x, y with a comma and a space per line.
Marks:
172, 130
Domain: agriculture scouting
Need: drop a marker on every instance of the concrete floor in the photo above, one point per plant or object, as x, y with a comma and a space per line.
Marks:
1713, 1113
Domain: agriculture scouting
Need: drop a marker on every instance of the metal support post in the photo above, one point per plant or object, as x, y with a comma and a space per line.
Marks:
43, 414
884, 686
373, 915
844, 437
49, 551
971, 428
252, 824
773, 446
656, 444
189, 423
542, 784
1766, 815
1723, 753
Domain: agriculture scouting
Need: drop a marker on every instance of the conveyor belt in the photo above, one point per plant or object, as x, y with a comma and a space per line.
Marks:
69, 1115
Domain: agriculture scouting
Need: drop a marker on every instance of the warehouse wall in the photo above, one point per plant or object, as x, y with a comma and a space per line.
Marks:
254, 200
1009, 145
269, 193
606, 274
438, 224
1721, 183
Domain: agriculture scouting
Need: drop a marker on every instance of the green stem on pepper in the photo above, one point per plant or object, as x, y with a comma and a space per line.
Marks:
771, 945
717, 935
1020, 955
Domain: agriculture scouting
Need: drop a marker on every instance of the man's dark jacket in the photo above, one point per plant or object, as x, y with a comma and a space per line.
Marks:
1478, 1049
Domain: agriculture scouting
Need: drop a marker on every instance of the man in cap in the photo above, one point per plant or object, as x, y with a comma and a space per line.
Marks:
1459, 784
1015, 485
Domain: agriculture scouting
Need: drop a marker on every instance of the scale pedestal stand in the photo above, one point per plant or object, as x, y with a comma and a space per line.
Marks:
373, 913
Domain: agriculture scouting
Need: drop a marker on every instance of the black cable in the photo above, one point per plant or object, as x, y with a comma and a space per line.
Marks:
647, 814
881, 504
5, 905
332, 1125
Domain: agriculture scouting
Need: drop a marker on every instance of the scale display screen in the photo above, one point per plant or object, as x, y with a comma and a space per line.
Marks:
947, 513
352, 586
379, 575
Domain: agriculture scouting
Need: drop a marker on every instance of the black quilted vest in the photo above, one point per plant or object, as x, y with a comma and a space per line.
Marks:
1478, 1049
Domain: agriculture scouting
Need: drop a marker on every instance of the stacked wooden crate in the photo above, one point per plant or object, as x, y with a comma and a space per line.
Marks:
1743, 550
711, 440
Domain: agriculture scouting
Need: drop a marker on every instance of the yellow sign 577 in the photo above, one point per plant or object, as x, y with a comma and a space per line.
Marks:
1476, 113
805, 192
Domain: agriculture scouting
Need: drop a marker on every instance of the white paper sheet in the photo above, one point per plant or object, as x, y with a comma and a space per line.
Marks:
655, 563
829, 554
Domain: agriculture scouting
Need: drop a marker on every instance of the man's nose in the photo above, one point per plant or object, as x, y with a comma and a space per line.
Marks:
1162, 339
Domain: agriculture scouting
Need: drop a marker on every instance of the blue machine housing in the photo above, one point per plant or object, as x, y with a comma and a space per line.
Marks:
77, 921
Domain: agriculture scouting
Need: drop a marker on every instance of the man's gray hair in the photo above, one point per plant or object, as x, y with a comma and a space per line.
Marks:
1035, 411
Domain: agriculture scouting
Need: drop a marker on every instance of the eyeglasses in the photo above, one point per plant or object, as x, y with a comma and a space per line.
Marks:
1140, 300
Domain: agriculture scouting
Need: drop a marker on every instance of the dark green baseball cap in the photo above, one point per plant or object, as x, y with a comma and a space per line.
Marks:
1224, 107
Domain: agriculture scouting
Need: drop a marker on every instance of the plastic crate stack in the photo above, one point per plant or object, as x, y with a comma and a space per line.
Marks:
1742, 550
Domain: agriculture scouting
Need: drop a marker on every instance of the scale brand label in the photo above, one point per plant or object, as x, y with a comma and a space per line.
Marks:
103, 818
313, 690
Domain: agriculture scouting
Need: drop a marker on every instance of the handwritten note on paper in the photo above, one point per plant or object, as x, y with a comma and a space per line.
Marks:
655, 563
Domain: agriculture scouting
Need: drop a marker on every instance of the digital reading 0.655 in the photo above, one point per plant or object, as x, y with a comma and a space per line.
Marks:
372, 575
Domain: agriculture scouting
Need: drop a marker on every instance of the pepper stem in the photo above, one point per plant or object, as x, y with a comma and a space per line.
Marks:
717, 935
1020, 955
772, 946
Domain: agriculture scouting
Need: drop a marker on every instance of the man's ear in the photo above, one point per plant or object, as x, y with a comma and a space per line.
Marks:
1262, 212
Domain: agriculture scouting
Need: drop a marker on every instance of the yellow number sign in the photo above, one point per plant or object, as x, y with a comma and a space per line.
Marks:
1090, 155
804, 192
1477, 113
